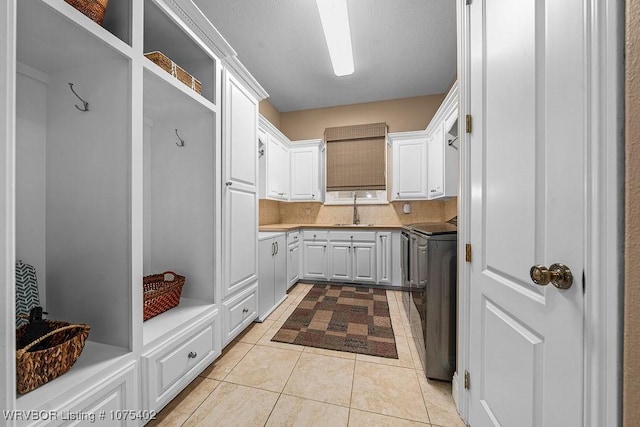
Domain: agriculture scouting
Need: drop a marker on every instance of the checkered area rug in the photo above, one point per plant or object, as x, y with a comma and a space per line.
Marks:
343, 318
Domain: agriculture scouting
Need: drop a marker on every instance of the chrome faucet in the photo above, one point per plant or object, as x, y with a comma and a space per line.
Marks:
356, 216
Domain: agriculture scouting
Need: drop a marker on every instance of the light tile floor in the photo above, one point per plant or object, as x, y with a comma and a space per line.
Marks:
257, 382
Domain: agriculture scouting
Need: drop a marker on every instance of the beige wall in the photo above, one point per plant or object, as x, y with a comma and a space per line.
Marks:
404, 114
269, 112
631, 379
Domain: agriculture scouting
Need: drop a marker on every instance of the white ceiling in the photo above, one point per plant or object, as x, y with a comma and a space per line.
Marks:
401, 48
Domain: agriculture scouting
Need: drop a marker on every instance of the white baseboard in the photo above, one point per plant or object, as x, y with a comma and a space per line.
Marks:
454, 390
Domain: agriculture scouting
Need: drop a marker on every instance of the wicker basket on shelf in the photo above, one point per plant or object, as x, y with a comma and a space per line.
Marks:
94, 9
161, 293
64, 343
174, 69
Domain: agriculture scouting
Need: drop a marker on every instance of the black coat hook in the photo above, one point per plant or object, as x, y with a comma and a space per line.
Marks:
181, 143
84, 103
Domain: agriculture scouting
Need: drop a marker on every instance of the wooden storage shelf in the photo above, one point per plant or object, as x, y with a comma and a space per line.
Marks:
165, 97
54, 39
95, 358
176, 318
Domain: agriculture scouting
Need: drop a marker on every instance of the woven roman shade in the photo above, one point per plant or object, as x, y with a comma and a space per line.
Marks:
355, 157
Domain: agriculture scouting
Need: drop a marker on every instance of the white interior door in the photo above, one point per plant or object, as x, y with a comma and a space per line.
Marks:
528, 103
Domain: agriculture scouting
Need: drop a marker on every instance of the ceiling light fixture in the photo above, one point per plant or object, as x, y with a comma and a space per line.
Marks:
335, 23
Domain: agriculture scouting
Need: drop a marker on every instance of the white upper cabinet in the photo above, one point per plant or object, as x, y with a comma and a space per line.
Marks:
306, 171
274, 162
409, 176
442, 149
435, 163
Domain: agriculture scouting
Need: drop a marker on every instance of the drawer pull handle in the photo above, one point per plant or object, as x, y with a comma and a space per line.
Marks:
192, 355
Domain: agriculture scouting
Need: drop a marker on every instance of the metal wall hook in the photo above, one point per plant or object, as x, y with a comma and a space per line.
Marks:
84, 103
181, 143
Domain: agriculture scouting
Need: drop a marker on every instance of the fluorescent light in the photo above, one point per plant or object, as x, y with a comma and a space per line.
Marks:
335, 23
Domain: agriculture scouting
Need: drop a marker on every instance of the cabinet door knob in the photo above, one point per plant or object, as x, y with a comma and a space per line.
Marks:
313, 196
245, 310
228, 183
192, 355
398, 194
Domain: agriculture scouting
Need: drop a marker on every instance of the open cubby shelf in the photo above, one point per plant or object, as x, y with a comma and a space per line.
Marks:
95, 358
164, 34
53, 36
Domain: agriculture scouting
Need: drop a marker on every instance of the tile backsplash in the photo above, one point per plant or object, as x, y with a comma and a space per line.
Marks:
273, 212
269, 212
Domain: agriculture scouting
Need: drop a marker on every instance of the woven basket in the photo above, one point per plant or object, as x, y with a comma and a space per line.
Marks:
175, 70
161, 295
35, 368
94, 9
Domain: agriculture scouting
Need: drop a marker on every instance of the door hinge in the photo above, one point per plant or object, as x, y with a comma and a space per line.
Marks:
467, 252
467, 380
468, 121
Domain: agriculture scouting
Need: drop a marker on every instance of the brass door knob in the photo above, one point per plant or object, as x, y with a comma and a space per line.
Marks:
558, 274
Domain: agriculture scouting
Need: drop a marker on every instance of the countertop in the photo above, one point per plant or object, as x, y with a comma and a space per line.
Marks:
292, 227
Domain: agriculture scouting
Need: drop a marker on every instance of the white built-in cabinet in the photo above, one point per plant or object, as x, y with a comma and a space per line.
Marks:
289, 170
240, 206
314, 254
409, 169
272, 283
293, 258
274, 162
385, 257
353, 255
307, 165
136, 185
442, 153
425, 163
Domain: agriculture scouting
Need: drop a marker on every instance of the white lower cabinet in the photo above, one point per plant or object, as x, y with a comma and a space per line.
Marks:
238, 312
364, 262
384, 253
352, 256
115, 398
172, 364
272, 279
110, 401
293, 258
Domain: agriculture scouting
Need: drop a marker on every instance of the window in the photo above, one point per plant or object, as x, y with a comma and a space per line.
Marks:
356, 158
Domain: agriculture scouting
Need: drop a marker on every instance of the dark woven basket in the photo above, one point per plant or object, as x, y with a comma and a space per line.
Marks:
94, 9
64, 345
161, 295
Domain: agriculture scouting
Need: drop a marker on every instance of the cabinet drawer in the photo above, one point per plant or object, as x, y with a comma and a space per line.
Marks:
348, 235
170, 366
175, 364
293, 237
239, 312
312, 235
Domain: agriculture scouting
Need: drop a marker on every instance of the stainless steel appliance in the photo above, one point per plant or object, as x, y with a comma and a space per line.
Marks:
432, 303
